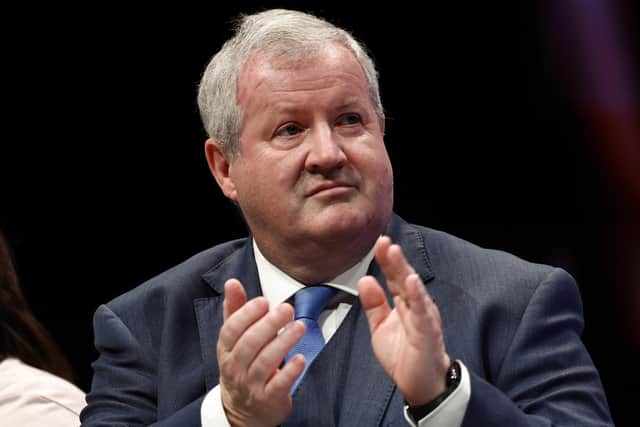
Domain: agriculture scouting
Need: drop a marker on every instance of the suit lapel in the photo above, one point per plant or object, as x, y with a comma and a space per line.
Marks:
368, 389
240, 265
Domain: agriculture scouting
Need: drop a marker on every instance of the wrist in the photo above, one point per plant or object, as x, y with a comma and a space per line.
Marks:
434, 387
452, 380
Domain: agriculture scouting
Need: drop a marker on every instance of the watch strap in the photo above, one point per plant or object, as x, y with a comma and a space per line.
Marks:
452, 381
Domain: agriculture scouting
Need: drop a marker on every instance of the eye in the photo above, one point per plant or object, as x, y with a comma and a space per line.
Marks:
290, 129
349, 119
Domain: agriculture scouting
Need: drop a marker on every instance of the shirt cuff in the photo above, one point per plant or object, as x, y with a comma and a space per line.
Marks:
212, 412
450, 412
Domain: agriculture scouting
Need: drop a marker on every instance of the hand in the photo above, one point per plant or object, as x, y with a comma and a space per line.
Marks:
407, 340
254, 390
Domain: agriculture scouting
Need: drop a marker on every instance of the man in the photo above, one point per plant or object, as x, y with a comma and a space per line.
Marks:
296, 127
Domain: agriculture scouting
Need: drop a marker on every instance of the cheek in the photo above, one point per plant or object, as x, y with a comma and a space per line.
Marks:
285, 169
384, 184
374, 164
379, 174
388, 173
249, 182
271, 178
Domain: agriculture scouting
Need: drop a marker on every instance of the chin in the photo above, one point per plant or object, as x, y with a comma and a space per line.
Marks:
342, 224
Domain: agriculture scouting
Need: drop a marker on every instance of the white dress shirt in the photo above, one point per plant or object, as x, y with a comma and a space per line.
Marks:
278, 287
30, 397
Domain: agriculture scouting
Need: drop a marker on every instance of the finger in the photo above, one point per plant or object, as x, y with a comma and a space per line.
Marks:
239, 321
382, 245
415, 295
423, 310
259, 334
419, 315
270, 357
413, 329
402, 309
234, 297
280, 383
393, 264
412, 308
374, 301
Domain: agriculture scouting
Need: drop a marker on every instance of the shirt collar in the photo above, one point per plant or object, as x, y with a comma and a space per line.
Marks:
278, 286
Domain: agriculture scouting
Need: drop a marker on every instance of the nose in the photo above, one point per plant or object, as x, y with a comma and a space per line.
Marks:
325, 152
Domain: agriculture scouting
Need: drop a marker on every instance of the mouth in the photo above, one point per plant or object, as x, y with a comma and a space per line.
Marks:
330, 188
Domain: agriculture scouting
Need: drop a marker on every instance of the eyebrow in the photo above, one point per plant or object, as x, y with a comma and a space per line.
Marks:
349, 102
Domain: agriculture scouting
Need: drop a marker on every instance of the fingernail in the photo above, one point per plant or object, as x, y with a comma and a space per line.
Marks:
384, 236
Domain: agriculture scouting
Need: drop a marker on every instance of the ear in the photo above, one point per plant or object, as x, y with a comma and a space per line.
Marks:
220, 168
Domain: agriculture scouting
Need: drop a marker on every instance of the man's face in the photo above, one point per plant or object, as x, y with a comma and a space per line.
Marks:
312, 164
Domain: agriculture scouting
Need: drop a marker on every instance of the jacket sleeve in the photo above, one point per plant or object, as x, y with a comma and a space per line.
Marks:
546, 377
123, 391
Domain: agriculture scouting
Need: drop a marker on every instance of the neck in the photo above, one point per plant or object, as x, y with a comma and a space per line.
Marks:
315, 262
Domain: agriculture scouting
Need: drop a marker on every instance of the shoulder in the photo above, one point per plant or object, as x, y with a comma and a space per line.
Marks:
487, 274
27, 391
181, 281
453, 257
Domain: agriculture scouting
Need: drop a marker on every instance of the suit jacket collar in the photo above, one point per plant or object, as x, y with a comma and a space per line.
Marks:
241, 265
413, 246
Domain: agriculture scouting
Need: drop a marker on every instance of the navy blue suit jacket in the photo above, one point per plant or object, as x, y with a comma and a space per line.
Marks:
514, 324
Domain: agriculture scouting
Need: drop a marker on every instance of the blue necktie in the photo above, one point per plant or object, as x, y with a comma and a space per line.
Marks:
309, 302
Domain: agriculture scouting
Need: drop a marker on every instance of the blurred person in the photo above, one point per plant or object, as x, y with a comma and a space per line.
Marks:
416, 326
35, 377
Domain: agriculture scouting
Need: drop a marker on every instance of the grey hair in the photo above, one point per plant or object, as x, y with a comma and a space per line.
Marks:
283, 34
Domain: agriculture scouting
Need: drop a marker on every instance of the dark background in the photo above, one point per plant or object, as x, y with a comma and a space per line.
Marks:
104, 182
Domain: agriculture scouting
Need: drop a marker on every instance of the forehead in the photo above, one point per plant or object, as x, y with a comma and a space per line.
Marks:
265, 78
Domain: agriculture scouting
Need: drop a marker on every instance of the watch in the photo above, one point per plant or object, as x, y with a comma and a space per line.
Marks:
451, 383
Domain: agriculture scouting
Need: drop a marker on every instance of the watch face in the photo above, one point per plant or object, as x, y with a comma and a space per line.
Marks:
453, 374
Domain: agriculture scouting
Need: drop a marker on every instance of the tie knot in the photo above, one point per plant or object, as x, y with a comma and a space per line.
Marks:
311, 300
